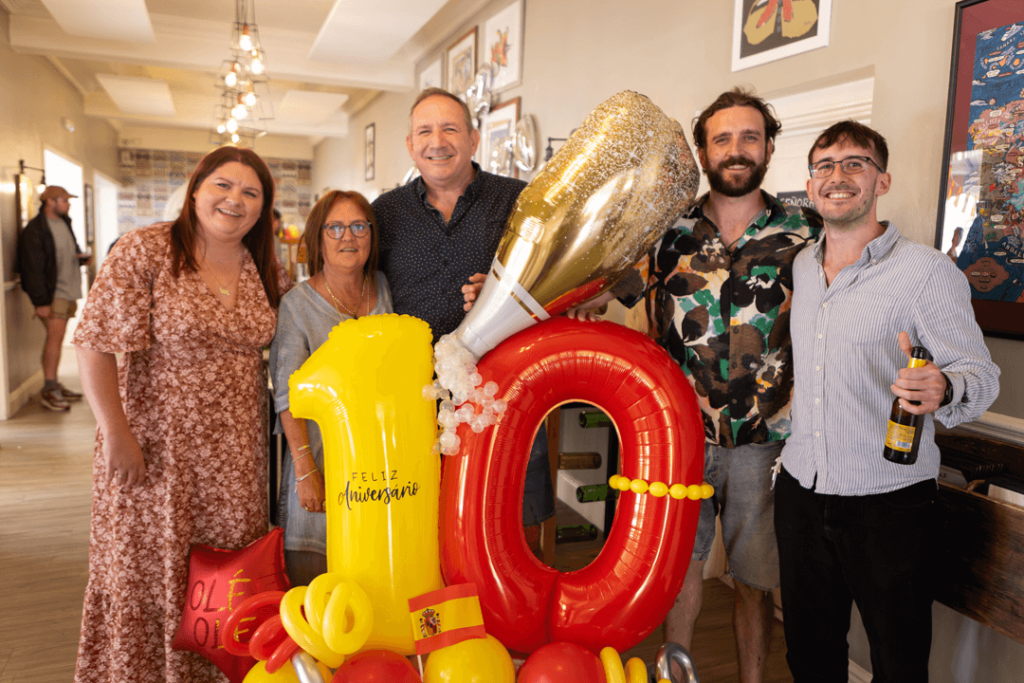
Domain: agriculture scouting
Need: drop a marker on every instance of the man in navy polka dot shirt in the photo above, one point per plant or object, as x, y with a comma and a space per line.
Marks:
439, 234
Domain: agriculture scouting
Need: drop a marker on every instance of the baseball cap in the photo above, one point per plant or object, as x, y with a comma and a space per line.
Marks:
55, 191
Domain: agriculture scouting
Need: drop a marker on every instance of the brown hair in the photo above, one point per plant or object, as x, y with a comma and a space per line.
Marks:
430, 92
259, 240
313, 237
737, 97
851, 131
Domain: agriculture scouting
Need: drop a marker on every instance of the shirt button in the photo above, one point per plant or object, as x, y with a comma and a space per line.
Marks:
825, 305
820, 336
817, 433
817, 368
817, 400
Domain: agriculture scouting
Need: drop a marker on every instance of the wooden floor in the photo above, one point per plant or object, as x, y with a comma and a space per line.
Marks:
45, 469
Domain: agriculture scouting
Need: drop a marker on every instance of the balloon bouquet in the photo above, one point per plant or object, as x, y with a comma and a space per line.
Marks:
612, 190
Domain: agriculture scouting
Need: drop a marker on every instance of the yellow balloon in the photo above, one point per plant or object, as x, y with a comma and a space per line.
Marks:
613, 671
636, 671
308, 638
364, 387
340, 611
286, 674
477, 660
638, 486
659, 489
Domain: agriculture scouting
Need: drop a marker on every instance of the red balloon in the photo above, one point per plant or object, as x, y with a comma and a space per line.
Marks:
562, 663
625, 593
218, 582
377, 666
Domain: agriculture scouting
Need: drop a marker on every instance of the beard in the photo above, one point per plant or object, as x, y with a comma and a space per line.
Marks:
738, 188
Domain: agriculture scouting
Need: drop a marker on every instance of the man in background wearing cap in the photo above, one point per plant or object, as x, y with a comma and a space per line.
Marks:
49, 261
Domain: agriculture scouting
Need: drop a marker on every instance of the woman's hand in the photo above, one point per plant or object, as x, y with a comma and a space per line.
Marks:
125, 464
311, 491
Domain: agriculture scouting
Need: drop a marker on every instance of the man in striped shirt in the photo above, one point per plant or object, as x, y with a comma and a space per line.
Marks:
852, 526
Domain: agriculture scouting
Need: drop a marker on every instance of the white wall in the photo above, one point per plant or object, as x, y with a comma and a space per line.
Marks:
677, 52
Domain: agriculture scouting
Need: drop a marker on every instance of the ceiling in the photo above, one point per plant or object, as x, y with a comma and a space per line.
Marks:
157, 62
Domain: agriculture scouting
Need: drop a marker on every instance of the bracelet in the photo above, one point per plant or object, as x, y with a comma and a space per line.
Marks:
307, 475
303, 448
309, 454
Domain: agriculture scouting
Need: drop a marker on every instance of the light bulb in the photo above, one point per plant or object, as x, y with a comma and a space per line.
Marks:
231, 126
221, 128
234, 137
249, 99
230, 79
239, 112
257, 65
244, 41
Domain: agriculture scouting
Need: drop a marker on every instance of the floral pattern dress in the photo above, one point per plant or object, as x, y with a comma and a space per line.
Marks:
194, 391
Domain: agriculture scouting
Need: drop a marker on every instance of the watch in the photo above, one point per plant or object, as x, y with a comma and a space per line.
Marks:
948, 396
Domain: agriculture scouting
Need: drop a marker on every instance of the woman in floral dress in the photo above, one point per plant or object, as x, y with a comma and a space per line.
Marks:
180, 454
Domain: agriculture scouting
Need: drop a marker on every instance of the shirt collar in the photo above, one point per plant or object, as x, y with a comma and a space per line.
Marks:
876, 249
470, 192
774, 208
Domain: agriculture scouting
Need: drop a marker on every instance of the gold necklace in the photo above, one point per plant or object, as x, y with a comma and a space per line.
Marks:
342, 306
220, 283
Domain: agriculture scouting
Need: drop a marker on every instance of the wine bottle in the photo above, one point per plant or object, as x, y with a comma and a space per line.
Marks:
594, 418
579, 461
903, 436
593, 494
573, 534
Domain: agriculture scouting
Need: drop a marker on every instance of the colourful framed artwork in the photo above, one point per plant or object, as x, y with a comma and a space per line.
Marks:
460, 63
766, 30
503, 47
981, 203
498, 126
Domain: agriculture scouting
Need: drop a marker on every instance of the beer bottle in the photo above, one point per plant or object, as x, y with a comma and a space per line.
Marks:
592, 494
594, 418
903, 436
573, 534
579, 461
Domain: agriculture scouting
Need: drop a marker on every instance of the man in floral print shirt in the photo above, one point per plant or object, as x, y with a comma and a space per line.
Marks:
722, 282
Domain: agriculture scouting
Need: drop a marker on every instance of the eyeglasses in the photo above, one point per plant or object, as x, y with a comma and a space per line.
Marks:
337, 230
851, 166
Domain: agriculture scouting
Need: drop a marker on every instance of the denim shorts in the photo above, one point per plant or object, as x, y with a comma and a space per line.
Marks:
539, 491
744, 498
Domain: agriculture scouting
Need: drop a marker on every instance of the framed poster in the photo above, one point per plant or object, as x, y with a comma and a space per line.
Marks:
498, 126
90, 216
766, 30
430, 77
370, 151
460, 64
981, 202
503, 47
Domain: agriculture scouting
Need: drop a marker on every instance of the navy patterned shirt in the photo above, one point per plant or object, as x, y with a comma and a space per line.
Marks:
426, 259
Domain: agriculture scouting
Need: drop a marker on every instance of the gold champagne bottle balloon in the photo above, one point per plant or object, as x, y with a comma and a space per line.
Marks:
613, 189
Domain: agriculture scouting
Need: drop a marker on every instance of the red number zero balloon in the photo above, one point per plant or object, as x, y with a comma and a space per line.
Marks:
625, 593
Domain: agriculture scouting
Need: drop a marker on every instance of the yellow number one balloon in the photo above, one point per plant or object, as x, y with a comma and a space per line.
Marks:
363, 387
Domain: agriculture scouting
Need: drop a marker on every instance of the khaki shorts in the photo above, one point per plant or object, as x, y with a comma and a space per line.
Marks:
63, 308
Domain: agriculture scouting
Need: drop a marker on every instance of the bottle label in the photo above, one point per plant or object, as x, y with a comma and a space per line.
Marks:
899, 437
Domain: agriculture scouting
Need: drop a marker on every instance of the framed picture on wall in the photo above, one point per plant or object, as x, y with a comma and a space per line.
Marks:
460, 63
370, 151
981, 197
90, 216
430, 77
766, 30
498, 126
503, 47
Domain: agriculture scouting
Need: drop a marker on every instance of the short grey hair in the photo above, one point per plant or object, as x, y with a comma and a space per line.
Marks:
431, 92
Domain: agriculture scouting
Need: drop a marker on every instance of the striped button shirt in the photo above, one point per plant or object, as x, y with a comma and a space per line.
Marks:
846, 356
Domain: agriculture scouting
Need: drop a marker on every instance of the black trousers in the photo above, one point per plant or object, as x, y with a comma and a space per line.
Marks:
876, 551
